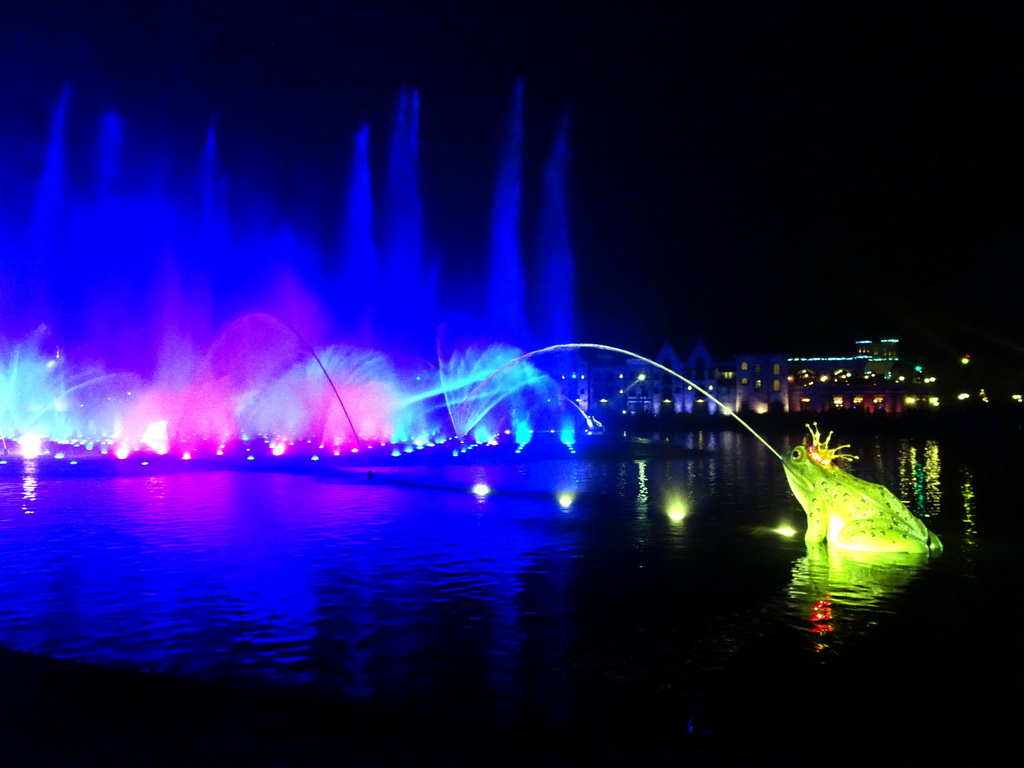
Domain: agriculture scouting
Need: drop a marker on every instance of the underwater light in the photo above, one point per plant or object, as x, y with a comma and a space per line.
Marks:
785, 530
31, 445
565, 500
676, 510
155, 437
481, 489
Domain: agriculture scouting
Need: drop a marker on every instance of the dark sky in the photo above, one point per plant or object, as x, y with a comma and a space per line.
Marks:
768, 176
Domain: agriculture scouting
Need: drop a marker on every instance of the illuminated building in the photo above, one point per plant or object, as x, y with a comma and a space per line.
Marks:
874, 379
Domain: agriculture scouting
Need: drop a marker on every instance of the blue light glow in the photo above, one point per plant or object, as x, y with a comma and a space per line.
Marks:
219, 349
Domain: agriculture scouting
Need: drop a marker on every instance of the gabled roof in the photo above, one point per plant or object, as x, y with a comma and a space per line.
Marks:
668, 353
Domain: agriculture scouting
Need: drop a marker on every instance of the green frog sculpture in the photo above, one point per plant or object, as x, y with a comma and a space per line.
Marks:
847, 512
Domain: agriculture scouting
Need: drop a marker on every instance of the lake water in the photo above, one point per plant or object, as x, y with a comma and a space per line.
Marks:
652, 591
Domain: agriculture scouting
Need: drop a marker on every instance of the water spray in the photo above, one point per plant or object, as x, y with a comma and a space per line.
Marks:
606, 348
309, 347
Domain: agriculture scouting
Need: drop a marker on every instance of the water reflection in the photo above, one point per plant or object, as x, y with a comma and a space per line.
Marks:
920, 472
642, 493
377, 590
412, 590
29, 485
835, 594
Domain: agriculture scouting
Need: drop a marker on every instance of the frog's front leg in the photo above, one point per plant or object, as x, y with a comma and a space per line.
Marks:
817, 527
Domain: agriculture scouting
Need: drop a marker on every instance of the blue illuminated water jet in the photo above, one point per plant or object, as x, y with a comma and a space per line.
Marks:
128, 283
505, 294
555, 303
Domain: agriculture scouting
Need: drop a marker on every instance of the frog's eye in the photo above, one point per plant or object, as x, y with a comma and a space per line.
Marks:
798, 453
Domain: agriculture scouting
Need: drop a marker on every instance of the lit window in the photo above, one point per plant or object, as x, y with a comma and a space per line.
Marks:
743, 365
776, 385
776, 369
743, 381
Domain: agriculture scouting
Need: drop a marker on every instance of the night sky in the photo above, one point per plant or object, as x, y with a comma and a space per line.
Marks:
770, 177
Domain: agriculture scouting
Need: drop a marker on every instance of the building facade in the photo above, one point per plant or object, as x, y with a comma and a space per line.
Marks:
873, 379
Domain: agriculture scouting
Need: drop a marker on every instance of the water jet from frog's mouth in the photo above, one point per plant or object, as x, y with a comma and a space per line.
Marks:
584, 345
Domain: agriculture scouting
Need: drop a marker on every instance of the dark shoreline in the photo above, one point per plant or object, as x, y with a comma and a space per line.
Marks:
65, 713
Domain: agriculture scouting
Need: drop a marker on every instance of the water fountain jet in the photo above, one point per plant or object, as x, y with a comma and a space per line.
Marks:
606, 348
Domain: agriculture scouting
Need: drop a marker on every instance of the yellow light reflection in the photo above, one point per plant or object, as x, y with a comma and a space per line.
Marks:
920, 470
641, 494
967, 489
785, 530
565, 500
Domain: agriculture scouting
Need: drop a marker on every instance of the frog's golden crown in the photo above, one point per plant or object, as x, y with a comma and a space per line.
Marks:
820, 451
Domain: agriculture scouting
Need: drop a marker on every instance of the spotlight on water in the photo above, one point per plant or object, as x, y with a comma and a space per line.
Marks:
481, 489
